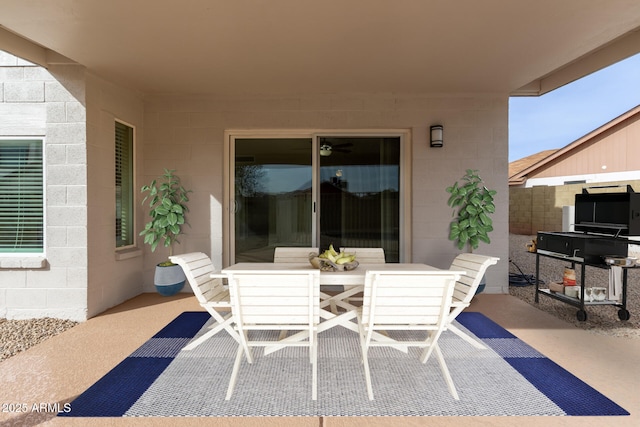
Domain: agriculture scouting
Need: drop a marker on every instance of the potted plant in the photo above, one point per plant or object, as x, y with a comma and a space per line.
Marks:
167, 203
472, 204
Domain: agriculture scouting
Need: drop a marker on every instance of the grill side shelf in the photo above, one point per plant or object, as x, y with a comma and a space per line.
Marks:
580, 303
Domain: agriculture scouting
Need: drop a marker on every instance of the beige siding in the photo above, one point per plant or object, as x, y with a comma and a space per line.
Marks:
618, 149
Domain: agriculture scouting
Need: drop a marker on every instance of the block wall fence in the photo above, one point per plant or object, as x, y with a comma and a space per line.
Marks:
540, 208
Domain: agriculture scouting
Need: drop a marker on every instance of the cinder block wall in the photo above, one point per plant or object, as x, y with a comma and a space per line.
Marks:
540, 208
520, 212
49, 104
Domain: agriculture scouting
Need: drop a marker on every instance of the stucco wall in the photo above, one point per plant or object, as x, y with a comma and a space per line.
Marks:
187, 134
114, 275
49, 104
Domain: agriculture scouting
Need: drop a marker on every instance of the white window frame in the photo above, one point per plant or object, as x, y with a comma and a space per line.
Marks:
41, 253
134, 229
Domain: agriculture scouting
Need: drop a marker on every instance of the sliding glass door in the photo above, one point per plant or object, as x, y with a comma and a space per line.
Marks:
359, 193
313, 192
273, 200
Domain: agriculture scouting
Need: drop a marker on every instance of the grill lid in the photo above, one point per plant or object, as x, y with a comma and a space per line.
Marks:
614, 214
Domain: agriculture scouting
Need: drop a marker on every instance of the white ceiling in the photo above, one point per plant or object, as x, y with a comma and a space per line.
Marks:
236, 47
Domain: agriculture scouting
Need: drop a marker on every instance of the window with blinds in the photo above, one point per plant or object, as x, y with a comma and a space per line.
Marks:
21, 196
124, 185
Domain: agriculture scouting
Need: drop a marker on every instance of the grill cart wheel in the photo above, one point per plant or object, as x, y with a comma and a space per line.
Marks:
581, 315
623, 314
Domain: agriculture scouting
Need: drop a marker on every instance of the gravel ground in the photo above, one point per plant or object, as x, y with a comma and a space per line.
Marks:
600, 319
19, 335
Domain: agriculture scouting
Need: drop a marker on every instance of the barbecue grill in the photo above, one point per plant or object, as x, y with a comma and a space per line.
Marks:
602, 221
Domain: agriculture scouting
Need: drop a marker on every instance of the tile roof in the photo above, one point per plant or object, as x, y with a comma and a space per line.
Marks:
519, 165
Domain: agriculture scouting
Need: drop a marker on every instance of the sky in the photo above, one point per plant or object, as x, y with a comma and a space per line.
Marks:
564, 115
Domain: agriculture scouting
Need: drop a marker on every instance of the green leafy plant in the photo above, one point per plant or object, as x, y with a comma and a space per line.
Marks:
167, 203
472, 205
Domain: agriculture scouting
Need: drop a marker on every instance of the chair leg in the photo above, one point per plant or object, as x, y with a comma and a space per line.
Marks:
244, 343
428, 348
367, 375
365, 357
217, 327
227, 321
314, 368
445, 372
234, 374
477, 344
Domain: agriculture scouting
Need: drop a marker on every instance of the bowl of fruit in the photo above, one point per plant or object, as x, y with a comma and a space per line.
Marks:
332, 260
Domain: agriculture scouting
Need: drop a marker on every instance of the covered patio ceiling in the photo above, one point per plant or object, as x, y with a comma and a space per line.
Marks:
241, 47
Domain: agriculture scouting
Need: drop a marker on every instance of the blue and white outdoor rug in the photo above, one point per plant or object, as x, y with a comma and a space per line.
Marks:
508, 379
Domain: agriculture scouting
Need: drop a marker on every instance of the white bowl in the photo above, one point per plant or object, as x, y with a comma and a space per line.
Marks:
572, 291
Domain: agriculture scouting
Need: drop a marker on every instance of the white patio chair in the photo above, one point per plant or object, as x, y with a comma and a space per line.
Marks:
275, 300
210, 292
475, 267
296, 255
407, 301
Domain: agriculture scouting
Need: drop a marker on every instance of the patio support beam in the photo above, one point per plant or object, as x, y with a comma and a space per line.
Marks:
618, 50
23, 48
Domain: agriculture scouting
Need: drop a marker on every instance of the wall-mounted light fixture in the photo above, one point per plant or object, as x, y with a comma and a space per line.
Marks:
436, 135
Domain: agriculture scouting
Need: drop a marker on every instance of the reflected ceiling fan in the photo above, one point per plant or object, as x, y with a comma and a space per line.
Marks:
326, 148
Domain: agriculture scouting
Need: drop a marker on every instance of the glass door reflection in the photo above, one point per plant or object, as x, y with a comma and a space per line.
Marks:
359, 193
273, 203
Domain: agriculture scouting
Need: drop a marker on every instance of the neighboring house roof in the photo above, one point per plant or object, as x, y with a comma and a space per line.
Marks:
520, 170
519, 165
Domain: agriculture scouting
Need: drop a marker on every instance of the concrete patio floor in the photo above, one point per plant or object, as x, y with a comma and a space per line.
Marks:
61, 368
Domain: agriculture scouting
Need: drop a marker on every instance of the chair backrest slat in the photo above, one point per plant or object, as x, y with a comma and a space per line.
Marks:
278, 297
291, 255
418, 298
197, 267
475, 266
367, 255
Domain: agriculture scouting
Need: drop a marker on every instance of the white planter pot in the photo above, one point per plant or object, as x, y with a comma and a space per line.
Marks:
169, 280
481, 286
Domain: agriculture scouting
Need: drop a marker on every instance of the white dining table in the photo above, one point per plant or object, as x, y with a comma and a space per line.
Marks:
353, 277
352, 280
